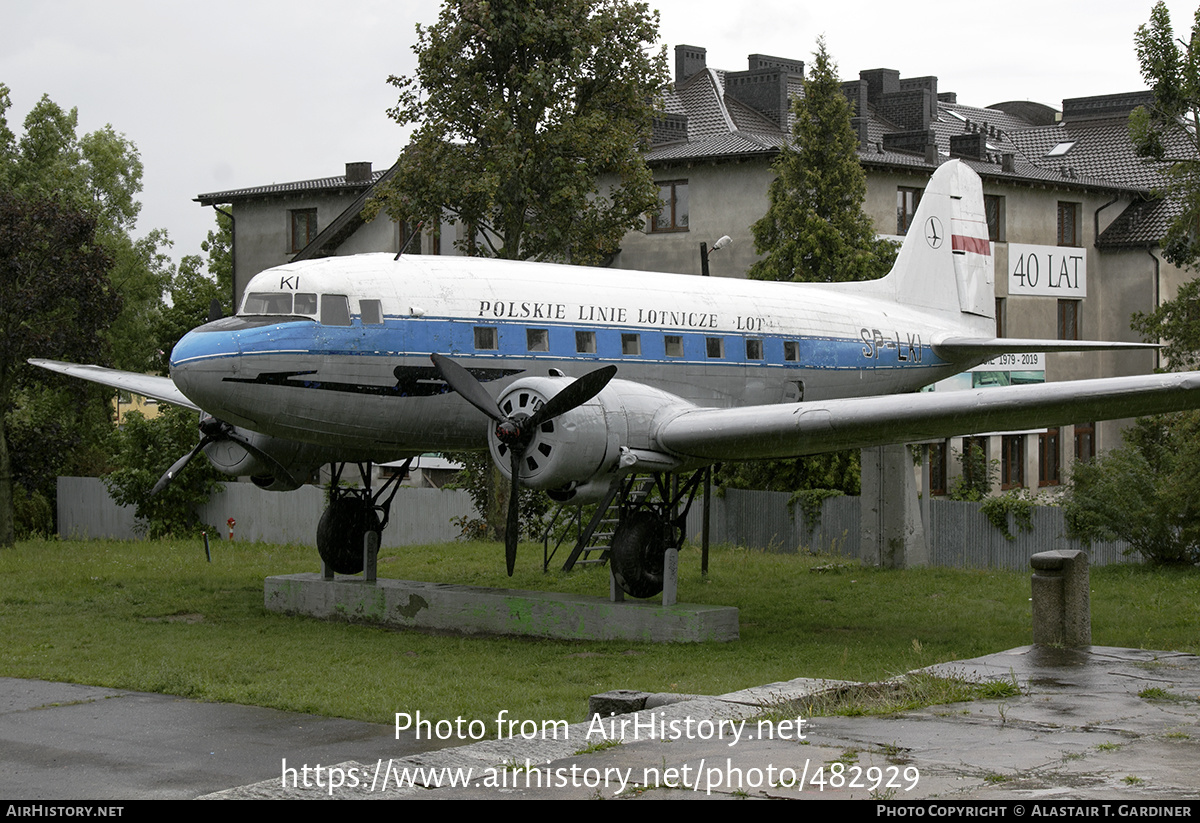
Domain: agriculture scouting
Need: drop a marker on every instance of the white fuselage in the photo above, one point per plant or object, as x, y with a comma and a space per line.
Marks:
335, 352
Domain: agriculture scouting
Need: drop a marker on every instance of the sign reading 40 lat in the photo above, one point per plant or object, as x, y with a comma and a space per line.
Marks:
1050, 271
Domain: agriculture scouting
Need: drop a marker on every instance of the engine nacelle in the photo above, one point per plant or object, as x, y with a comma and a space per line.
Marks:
576, 455
231, 457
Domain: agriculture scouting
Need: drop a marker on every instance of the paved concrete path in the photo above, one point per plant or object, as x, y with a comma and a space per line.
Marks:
1101, 724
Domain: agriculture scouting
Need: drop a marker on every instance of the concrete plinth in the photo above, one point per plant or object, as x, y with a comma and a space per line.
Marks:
473, 610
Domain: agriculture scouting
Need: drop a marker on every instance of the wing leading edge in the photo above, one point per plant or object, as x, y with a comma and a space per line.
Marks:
147, 385
762, 432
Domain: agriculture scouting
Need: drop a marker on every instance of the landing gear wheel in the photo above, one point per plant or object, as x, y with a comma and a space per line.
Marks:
637, 551
340, 534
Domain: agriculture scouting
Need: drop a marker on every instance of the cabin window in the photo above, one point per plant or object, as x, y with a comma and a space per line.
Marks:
585, 342
791, 350
537, 339
907, 201
267, 303
631, 344
674, 213
754, 350
714, 346
335, 310
673, 345
304, 228
371, 310
306, 303
486, 338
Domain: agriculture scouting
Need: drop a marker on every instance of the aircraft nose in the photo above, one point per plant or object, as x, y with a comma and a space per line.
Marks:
200, 357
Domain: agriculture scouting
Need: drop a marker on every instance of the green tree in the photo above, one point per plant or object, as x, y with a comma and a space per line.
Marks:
57, 302
1167, 131
52, 425
99, 173
1146, 492
531, 120
143, 451
193, 289
815, 229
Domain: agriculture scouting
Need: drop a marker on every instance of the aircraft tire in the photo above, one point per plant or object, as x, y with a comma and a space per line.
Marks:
636, 554
340, 534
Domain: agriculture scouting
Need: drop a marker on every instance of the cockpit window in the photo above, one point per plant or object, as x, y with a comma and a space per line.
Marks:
335, 310
267, 303
306, 303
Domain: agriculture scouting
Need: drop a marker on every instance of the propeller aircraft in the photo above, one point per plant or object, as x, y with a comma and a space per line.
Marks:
375, 358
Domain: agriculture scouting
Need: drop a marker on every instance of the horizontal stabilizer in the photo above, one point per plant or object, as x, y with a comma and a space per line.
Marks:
762, 432
147, 385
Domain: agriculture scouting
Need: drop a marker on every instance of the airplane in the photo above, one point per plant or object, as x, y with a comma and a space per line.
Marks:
375, 358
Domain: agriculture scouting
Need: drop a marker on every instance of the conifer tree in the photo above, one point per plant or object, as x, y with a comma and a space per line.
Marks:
815, 229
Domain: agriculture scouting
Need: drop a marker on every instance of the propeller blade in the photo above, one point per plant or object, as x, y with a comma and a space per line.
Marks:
514, 514
463, 382
178, 466
575, 394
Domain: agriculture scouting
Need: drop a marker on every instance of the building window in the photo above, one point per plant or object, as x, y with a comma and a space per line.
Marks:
1069, 319
754, 350
1049, 458
674, 213
585, 342
1085, 441
714, 346
673, 345
631, 344
1001, 317
486, 338
304, 228
1012, 461
537, 339
939, 468
1068, 224
791, 350
975, 463
993, 208
907, 201
410, 237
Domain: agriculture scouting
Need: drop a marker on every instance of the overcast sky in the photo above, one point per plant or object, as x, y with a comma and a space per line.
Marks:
249, 92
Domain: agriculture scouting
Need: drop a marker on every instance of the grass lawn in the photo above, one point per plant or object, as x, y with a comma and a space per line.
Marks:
154, 616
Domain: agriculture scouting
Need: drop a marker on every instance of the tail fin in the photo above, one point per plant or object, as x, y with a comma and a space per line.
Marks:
946, 262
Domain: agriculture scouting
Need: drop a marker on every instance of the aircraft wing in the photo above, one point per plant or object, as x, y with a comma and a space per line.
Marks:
761, 432
959, 349
147, 385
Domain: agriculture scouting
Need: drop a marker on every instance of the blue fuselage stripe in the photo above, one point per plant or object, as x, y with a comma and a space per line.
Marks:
404, 336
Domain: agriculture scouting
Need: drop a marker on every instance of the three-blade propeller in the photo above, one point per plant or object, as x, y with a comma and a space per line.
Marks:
516, 431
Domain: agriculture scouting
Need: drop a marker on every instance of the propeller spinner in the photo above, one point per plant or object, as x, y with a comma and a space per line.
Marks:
516, 431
